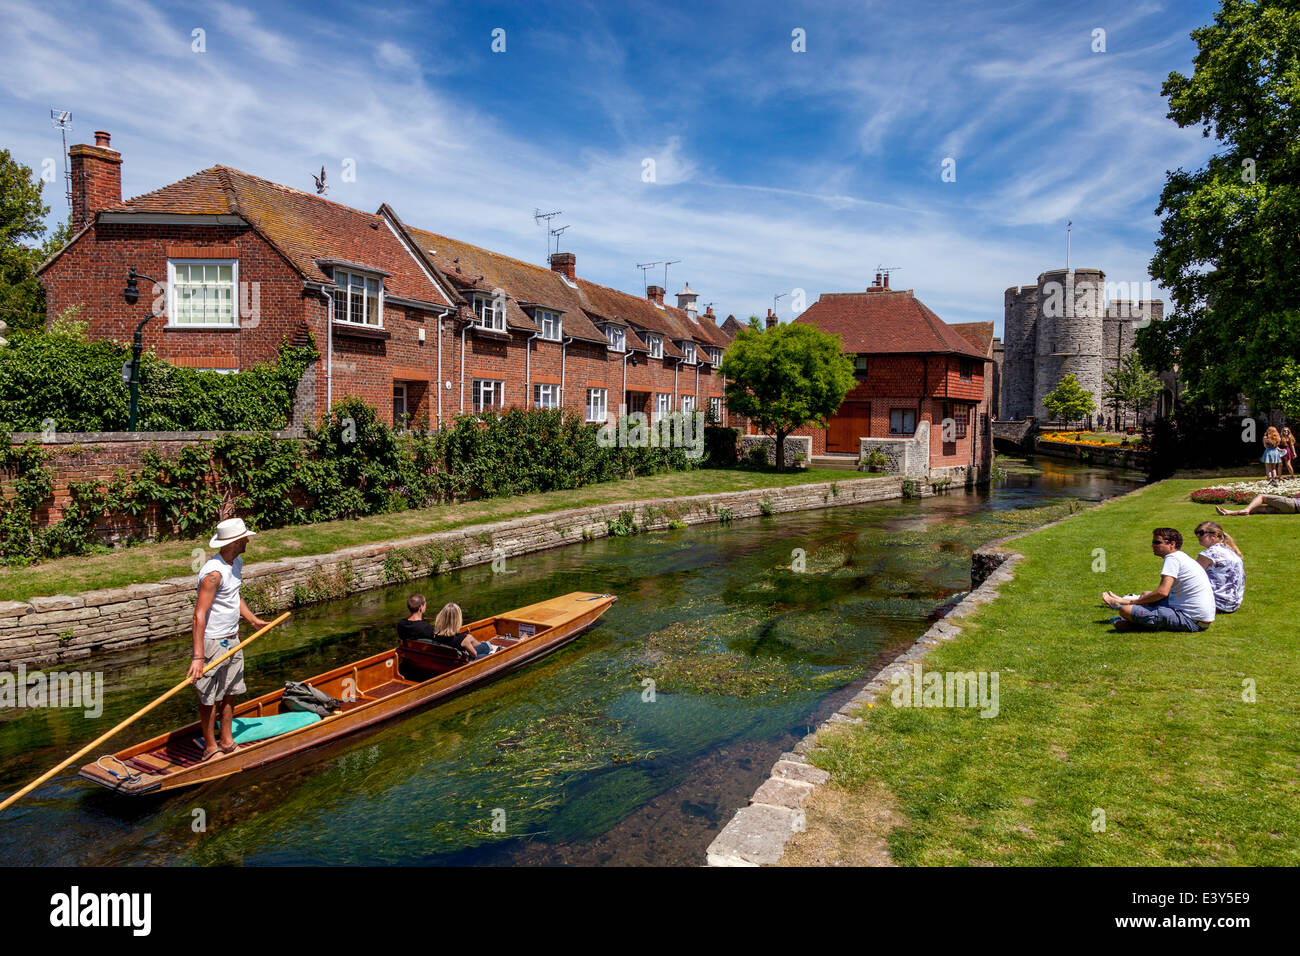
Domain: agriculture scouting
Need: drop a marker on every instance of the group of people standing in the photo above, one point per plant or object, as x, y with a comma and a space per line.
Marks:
1279, 450
1191, 591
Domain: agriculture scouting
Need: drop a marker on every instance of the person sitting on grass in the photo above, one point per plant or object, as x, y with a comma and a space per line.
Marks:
1223, 564
1265, 504
1184, 600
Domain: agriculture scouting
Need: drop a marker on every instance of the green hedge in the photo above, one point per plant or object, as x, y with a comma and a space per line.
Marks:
60, 376
350, 465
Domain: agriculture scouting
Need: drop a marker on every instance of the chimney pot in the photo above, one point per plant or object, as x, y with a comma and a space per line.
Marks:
771, 319
566, 263
102, 137
655, 293
886, 277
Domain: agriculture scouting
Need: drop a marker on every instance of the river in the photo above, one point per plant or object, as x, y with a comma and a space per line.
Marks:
633, 745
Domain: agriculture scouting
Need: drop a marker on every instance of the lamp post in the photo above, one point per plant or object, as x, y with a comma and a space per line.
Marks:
132, 295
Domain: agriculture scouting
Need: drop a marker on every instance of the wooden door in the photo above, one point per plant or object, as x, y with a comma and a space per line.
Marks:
847, 425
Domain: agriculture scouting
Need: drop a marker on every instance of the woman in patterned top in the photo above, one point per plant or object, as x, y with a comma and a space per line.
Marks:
1223, 564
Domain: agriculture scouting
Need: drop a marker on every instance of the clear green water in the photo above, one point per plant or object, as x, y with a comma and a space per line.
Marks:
581, 767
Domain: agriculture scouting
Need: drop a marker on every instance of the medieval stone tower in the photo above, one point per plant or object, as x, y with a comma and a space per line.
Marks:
1062, 326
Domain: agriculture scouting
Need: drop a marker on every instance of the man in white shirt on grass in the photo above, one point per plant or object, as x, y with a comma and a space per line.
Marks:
1184, 601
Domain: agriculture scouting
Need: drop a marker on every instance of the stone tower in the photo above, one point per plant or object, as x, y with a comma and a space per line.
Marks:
1062, 326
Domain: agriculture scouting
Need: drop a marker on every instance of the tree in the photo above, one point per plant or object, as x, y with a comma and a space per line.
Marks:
1069, 401
1227, 249
22, 215
1131, 385
785, 377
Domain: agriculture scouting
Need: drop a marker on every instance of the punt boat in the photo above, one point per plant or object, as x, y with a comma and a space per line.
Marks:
413, 674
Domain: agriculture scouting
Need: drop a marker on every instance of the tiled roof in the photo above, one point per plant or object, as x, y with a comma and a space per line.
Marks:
304, 227
885, 323
978, 334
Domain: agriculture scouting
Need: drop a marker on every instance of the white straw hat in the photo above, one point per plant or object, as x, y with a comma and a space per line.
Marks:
228, 532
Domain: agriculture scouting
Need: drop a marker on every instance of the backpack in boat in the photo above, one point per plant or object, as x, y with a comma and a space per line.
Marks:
298, 696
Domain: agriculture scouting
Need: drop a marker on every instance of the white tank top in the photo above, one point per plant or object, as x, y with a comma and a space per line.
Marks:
223, 618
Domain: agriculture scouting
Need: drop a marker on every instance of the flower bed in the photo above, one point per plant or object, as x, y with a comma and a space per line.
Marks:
1093, 438
1242, 492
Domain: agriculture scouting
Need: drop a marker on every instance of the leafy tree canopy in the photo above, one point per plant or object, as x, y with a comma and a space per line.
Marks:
785, 377
1069, 401
22, 215
1229, 245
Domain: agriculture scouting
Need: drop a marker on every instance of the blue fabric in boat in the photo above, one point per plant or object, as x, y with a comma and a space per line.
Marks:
250, 729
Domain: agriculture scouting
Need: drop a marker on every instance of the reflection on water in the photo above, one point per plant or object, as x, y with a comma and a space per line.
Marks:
578, 758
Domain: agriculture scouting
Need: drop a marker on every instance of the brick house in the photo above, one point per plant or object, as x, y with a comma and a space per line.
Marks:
420, 326
913, 371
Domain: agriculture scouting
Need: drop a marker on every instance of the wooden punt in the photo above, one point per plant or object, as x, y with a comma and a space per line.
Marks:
373, 689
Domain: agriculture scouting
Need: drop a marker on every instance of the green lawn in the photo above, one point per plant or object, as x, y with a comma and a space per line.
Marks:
1149, 728
154, 562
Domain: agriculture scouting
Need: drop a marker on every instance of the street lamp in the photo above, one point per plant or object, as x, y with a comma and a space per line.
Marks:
132, 295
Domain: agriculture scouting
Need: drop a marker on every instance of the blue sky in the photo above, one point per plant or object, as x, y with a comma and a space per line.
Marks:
775, 170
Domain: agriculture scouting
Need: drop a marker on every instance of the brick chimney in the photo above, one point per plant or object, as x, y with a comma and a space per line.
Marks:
771, 319
96, 178
878, 287
709, 312
655, 293
565, 263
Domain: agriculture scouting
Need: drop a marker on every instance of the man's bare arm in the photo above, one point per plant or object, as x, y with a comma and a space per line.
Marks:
207, 593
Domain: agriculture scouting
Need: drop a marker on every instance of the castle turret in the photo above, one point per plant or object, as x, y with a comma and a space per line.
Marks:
1070, 317
1020, 337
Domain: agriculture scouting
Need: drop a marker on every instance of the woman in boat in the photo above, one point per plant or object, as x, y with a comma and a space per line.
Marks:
446, 628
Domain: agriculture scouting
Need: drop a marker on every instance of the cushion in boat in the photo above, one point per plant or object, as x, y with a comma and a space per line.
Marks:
250, 729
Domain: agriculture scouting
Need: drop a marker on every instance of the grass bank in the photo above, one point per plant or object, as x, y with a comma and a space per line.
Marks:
1147, 734
154, 562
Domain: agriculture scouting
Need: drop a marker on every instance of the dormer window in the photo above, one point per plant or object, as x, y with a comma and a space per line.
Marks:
688, 349
715, 356
549, 323
655, 344
617, 338
359, 299
490, 312
860, 366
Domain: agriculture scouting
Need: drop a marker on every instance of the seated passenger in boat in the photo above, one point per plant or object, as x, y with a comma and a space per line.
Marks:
445, 629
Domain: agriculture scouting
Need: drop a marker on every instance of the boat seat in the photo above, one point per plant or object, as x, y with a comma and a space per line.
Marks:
432, 657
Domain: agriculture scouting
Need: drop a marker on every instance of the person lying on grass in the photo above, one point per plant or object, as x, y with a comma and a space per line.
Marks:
1265, 504
1184, 601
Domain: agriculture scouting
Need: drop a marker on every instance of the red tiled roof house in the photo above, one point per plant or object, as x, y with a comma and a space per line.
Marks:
918, 379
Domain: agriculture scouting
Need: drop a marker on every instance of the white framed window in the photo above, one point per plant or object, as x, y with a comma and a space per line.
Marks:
902, 421
688, 349
663, 404
359, 299
715, 409
546, 396
688, 403
400, 414
202, 292
549, 323
490, 312
715, 356
488, 394
655, 344
617, 338
597, 405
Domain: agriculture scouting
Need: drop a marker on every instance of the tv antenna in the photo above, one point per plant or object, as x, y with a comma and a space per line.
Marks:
62, 121
885, 271
543, 219
666, 265
556, 233
777, 298
645, 267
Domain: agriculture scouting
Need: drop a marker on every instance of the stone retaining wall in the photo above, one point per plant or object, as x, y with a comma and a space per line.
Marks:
905, 456
794, 445
1111, 455
67, 627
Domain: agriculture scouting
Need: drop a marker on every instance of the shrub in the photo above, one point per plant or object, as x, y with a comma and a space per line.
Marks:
876, 461
60, 376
